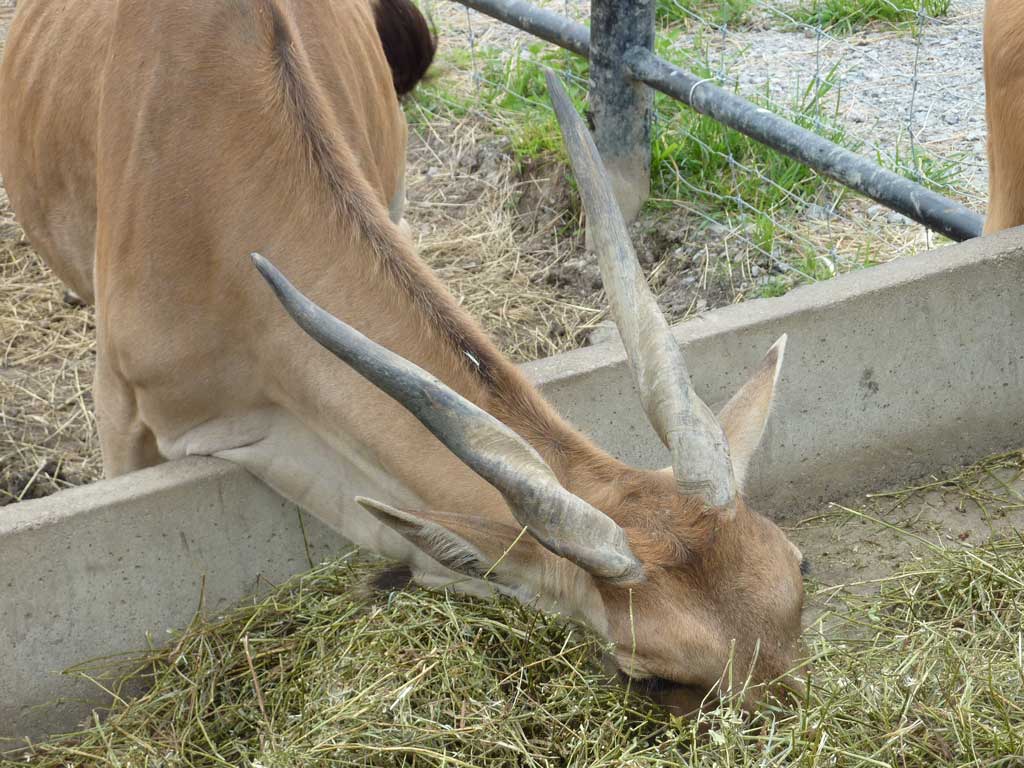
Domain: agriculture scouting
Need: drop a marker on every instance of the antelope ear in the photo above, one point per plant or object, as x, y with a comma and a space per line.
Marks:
467, 545
744, 416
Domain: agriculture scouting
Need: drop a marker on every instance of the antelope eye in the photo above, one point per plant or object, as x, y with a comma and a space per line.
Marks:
679, 698
652, 685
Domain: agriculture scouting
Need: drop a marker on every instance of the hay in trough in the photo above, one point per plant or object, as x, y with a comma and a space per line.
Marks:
321, 672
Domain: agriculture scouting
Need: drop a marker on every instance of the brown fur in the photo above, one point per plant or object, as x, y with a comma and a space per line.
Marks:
469, 348
392, 578
150, 145
352, 201
1004, 112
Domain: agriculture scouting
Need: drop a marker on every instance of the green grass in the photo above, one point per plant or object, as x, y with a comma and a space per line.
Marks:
694, 155
694, 159
773, 287
718, 12
507, 90
835, 15
928, 673
941, 174
515, 92
437, 97
847, 15
809, 266
691, 154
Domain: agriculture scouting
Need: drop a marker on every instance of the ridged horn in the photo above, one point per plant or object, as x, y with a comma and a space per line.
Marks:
561, 521
685, 424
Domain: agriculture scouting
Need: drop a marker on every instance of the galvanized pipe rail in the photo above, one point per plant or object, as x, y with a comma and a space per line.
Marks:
929, 208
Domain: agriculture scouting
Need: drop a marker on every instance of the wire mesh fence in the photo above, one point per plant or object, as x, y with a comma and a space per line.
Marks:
899, 81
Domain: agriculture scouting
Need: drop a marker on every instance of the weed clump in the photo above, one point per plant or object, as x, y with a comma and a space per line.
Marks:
847, 15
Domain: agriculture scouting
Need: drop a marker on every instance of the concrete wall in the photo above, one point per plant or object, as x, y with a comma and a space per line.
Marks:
111, 567
890, 373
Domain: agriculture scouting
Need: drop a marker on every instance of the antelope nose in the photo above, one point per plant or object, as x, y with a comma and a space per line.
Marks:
791, 690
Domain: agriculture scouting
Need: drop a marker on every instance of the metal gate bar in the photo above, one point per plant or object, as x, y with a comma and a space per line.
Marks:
924, 206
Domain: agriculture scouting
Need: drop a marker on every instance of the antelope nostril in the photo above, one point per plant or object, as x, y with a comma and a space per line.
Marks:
805, 566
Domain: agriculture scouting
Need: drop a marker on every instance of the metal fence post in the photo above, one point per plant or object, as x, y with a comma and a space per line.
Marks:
620, 104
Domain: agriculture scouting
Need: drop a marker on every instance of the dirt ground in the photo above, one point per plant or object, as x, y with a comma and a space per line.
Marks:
852, 547
494, 229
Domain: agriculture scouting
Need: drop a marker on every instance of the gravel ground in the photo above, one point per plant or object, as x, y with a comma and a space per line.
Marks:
891, 85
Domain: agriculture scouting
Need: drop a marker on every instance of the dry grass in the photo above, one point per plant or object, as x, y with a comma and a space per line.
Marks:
856, 544
927, 670
495, 239
47, 428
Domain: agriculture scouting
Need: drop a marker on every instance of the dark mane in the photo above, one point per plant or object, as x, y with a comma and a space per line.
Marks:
408, 41
347, 192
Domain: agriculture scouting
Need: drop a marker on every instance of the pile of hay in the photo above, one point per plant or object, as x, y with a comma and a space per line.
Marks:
322, 673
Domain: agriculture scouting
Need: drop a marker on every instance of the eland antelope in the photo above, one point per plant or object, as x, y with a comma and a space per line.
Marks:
1003, 44
150, 145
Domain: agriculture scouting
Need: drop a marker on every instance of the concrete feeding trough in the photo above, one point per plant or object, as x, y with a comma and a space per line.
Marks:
890, 373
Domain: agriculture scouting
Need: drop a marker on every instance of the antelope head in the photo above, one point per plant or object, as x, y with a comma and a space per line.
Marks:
697, 593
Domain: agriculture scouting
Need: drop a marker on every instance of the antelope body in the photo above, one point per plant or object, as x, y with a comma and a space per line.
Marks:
1004, 112
149, 146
